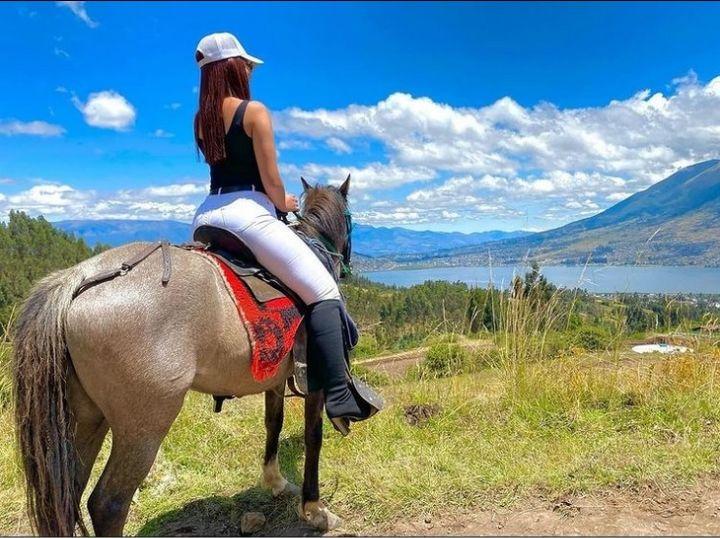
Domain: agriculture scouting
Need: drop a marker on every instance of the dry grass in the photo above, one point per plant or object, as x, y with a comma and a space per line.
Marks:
530, 424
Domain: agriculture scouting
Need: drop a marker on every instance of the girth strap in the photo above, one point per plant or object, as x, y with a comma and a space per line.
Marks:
127, 266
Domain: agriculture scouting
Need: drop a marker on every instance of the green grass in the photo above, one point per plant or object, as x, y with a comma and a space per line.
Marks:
536, 414
567, 425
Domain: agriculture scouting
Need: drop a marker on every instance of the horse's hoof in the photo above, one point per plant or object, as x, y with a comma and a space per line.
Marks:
278, 484
319, 517
288, 489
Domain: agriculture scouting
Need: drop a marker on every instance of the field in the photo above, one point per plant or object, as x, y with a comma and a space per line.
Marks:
481, 447
509, 411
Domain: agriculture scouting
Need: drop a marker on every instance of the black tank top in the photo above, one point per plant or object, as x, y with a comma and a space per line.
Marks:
239, 168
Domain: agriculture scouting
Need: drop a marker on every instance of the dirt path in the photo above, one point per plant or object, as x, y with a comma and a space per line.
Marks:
397, 364
643, 511
649, 511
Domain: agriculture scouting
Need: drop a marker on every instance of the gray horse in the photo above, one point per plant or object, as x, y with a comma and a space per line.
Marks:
122, 356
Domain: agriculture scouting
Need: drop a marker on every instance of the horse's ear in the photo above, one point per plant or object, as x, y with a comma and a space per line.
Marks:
305, 184
345, 187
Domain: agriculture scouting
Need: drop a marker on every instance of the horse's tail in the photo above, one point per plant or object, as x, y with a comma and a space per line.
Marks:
43, 420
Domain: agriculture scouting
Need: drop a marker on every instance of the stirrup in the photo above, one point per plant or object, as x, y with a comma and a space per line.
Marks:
367, 394
342, 425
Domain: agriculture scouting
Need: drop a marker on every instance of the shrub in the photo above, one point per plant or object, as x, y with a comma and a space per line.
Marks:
367, 346
444, 338
592, 338
370, 376
445, 359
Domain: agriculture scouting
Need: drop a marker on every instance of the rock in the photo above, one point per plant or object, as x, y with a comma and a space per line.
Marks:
418, 414
251, 522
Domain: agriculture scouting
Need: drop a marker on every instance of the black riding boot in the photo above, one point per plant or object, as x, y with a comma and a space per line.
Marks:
327, 367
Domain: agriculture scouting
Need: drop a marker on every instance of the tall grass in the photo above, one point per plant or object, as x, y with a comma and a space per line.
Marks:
5, 356
523, 318
552, 414
548, 378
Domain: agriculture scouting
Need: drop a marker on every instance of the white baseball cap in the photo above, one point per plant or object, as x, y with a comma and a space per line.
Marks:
221, 46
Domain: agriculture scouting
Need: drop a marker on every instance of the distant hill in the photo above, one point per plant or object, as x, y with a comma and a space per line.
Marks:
116, 232
674, 222
368, 241
380, 241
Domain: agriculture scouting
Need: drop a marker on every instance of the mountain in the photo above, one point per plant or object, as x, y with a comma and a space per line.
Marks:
380, 241
368, 241
674, 222
115, 232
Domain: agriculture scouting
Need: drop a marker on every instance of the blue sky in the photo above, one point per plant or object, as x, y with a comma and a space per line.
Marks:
462, 116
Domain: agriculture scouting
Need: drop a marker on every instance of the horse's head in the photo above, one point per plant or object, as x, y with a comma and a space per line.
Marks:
326, 215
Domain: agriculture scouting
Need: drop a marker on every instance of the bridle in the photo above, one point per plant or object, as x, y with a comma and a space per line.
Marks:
342, 257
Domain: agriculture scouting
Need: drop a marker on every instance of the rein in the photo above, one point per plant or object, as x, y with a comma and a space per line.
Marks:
330, 248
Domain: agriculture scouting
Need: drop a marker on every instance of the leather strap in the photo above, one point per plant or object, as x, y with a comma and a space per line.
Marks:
233, 188
127, 266
167, 262
292, 385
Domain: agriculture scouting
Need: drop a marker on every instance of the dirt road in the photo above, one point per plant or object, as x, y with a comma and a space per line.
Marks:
644, 511
650, 511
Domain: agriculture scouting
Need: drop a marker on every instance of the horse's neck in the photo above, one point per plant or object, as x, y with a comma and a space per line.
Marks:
310, 231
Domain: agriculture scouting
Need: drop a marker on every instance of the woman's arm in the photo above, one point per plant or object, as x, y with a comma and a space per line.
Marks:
261, 132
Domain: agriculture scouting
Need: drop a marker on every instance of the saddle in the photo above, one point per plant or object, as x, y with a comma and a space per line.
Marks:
223, 244
273, 315
238, 263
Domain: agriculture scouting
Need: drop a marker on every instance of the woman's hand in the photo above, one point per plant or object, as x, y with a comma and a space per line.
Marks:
291, 203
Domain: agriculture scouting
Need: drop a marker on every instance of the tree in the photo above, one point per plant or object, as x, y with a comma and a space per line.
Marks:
31, 248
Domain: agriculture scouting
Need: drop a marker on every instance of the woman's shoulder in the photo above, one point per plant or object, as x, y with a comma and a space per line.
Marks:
256, 107
256, 112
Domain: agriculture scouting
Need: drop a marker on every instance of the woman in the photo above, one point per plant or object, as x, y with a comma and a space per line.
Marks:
236, 138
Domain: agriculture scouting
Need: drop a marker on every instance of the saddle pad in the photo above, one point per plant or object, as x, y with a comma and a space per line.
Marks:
271, 325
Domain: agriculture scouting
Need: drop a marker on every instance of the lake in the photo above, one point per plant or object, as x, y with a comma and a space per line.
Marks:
596, 278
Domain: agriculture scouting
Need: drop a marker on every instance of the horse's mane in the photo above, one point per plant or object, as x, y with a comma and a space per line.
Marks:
324, 214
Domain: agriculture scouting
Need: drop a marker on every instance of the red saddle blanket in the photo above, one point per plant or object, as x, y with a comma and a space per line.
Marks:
271, 325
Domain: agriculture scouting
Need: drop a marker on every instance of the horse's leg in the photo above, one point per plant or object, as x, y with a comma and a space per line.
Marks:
274, 415
90, 430
311, 508
134, 447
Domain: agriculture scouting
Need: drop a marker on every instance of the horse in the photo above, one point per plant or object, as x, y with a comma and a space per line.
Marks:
122, 355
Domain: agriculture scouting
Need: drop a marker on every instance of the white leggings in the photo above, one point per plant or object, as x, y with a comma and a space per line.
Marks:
250, 215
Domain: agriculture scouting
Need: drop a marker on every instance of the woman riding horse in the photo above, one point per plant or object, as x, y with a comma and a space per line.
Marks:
236, 137
121, 354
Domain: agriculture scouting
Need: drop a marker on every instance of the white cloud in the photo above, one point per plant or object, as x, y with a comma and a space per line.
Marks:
57, 51
294, 144
57, 202
623, 146
78, 8
108, 110
173, 106
337, 145
32, 128
617, 196
46, 199
177, 190
369, 177
161, 133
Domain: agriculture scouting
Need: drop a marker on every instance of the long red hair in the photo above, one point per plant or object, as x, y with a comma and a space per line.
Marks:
218, 80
